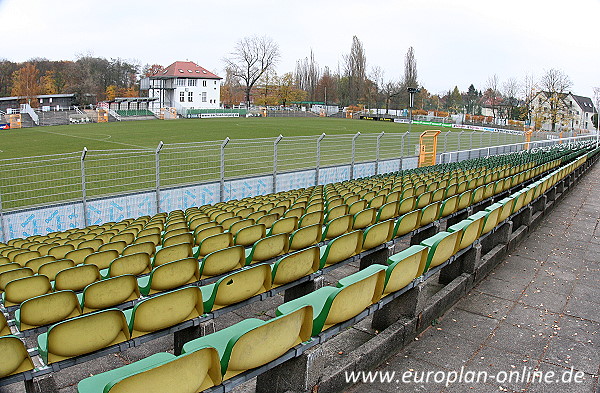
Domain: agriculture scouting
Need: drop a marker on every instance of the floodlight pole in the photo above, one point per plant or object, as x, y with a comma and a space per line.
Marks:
411, 103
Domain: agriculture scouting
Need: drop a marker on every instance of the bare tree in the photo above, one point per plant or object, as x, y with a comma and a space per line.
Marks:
597, 102
376, 77
529, 92
554, 85
251, 58
307, 75
355, 68
492, 94
410, 69
390, 90
510, 90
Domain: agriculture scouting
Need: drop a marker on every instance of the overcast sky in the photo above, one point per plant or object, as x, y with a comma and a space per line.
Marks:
456, 42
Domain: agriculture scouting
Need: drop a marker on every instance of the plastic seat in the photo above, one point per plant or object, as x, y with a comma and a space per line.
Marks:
407, 223
172, 253
267, 248
47, 309
23, 257
76, 278
406, 205
78, 255
13, 265
21, 289
9, 275
136, 264
109, 293
387, 211
169, 276
312, 218
202, 234
429, 214
284, 225
14, 355
441, 247
249, 235
341, 248
102, 259
364, 218
337, 227
448, 206
333, 305
236, 287
295, 266
377, 234
470, 230
185, 237
145, 247
305, 237
164, 310
83, 334
222, 261
252, 342
403, 267
4, 328
161, 372
118, 246
94, 244
59, 252
213, 243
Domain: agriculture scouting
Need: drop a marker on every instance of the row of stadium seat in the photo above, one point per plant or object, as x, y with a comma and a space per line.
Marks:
357, 236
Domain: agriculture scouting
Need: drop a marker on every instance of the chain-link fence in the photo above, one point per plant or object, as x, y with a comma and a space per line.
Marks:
78, 189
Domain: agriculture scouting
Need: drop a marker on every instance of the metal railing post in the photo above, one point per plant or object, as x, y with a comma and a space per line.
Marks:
353, 154
377, 152
3, 223
402, 150
446, 141
83, 188
157, 160
471, 140
222, 171
318, 163
275, 143
459, 138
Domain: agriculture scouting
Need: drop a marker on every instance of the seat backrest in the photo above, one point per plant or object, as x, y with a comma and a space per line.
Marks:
172, 275
284, 225
470, 231
337, 227
78, 255
164, 372
406, 205
314, 217
377, 234
4, 328
172, 253
13, 265
236, 287
269, 247
185, 237
76, 278
46, 309
429, 213
441, 247
206, 232
60, 251
19, 290
23, 257
404, 267
83, 334
119, 246
222, 261
295, 265
9, 275
109, 293
14, 355
407, 223
102, 259
136, 264
91, 243
266, 342
214, 243
341, 248
364, 218
145, 247
165, 310
305, 237
249, 235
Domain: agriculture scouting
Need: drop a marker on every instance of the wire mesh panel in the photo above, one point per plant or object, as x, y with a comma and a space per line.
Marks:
366, 148
189, 163
111, 172
43, 180
249, 157
299, 152
392, 145
336, 150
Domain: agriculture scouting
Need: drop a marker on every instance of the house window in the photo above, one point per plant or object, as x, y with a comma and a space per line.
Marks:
192, 82
180, 81
204, 83
190, 97
181, 96
203, 96
215, 82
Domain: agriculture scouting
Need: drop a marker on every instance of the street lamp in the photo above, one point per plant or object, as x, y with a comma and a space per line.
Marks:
411, 104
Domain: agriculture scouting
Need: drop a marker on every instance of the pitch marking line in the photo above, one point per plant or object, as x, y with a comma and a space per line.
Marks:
97, 140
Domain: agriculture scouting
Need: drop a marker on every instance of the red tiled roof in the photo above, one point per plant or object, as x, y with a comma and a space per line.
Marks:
185, 69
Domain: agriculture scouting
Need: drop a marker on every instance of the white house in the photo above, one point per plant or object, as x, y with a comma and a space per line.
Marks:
184, 85
572, 112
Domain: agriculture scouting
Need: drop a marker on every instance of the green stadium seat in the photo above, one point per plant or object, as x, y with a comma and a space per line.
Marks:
305, 237
404, 267
441, 247
14, 355
76, 278
47, 309
21, 289
341, 248
170, 275
268, 248
295, 266
109, 293
377, 234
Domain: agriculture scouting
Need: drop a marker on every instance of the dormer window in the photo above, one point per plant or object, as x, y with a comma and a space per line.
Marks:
190, 71
181, 71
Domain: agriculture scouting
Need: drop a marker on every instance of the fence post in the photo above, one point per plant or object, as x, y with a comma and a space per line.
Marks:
318, 163
459, 138
353, 154
377, 152
157, 160
3, 223
402, 150
471, 140
275, 143
222, 173
83, 189
446, 141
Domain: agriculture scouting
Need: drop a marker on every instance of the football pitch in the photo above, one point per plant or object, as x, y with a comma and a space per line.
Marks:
121, 155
